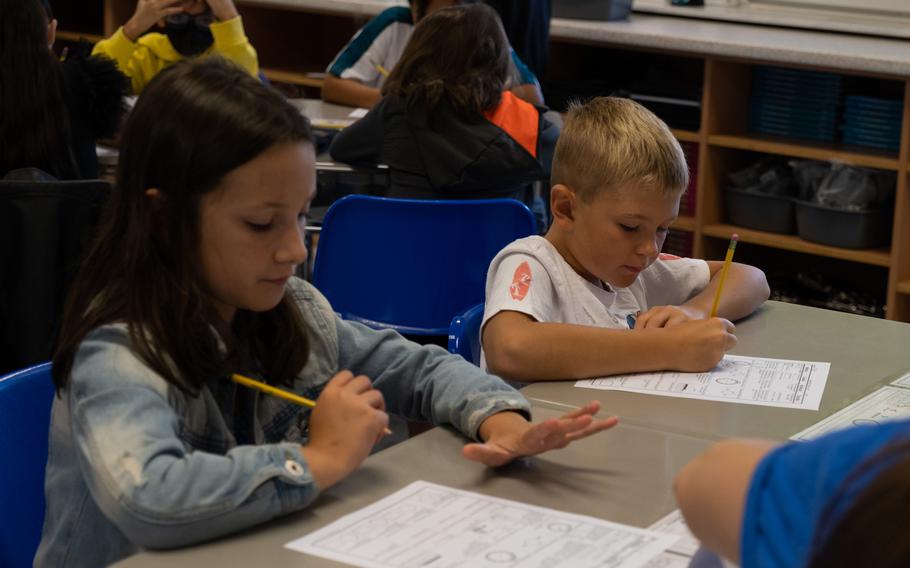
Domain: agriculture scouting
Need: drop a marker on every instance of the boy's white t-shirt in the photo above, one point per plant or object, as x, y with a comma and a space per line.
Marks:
531, 277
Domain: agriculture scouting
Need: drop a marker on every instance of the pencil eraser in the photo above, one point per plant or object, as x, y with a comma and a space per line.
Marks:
735, 236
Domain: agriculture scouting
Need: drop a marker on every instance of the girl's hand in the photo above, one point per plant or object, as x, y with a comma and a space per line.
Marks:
223, 10
666, 316
508, 435
147, 13
348, 419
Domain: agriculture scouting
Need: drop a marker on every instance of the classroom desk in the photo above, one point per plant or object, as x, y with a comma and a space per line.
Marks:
864, 352
623, 475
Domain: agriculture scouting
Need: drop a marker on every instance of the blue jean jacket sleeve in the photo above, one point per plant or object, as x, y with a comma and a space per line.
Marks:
425, 382
152, 485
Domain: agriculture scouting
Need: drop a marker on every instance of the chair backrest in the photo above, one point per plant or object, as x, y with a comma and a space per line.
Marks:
44, 227
411, 264
464, 334
25, 403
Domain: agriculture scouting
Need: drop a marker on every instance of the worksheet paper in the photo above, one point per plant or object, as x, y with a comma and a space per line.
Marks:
429, 525
887, 403
686, 544
902, 381
745, 380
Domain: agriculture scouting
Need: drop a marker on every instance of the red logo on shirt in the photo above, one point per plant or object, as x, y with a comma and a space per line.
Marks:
521, 282
667, 256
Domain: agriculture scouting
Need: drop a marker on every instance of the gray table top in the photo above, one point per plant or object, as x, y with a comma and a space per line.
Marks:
624, 475
864, 353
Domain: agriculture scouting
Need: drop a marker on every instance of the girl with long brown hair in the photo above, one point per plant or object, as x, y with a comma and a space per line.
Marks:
190, 279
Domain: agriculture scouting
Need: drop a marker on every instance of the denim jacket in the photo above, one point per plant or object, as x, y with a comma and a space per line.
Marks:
136, 463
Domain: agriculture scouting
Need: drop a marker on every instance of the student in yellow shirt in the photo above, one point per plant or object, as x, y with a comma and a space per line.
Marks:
187, 28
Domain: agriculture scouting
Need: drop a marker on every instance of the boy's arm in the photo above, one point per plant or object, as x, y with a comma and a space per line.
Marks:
711, 491
745, 289
349, 92
520, 348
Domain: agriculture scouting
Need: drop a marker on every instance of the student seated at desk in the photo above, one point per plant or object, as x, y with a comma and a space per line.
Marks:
52, 111
836, 501
189, 28
356, 74
595, 297
446, 127
188, 281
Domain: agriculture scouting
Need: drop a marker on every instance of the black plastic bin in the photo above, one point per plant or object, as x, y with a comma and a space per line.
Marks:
840, 228
763, 212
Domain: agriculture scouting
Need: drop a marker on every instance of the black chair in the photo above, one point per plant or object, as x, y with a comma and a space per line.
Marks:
45, 227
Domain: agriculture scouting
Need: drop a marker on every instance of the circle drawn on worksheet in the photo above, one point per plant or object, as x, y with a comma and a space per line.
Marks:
727, 381
865, 421
501, 556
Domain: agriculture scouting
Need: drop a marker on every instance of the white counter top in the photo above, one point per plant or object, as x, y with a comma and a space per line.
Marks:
768, 44
836, 51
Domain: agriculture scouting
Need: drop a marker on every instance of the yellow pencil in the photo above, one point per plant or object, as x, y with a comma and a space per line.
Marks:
280, 393
723, 273
383, 70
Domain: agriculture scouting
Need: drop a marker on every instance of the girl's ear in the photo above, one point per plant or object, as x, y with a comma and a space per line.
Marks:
51, 33
562, 204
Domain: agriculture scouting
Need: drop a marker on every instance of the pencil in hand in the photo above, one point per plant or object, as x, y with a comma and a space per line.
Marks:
280, 393
723, 273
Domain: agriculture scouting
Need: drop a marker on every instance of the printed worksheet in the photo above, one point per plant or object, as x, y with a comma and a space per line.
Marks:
902, 381
686, 544
887, 403
430, 525
745, 380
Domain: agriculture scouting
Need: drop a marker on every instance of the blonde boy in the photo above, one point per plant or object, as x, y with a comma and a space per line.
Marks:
595, 297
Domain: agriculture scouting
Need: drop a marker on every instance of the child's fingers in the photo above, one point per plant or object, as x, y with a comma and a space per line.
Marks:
593, 428
360, 384
341, 379
374, 398
591, 408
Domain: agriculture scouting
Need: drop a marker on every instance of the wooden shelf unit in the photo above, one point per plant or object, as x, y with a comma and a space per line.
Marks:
292, 41
875, 257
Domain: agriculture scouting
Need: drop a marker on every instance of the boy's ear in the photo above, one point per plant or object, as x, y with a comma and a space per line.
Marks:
562, 203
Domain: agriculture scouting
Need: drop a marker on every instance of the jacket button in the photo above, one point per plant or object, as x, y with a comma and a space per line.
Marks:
293, 468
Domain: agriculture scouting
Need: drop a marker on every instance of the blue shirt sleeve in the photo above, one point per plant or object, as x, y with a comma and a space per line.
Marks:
792, 486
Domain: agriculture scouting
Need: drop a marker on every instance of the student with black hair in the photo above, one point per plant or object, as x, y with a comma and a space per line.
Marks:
356, 75
52, 111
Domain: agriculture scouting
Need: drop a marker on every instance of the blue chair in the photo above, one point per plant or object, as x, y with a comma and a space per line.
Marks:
464, 334
25, 406
410, 264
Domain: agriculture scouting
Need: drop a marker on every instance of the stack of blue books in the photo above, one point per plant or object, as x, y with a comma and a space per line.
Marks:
873, 122
795, 103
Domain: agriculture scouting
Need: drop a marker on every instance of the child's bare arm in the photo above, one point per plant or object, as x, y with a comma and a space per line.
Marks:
745, 289
711, 491
519, 348
349, 92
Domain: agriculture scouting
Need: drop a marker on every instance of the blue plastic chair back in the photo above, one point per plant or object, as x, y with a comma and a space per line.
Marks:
410, 264
464, 334
25, 406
